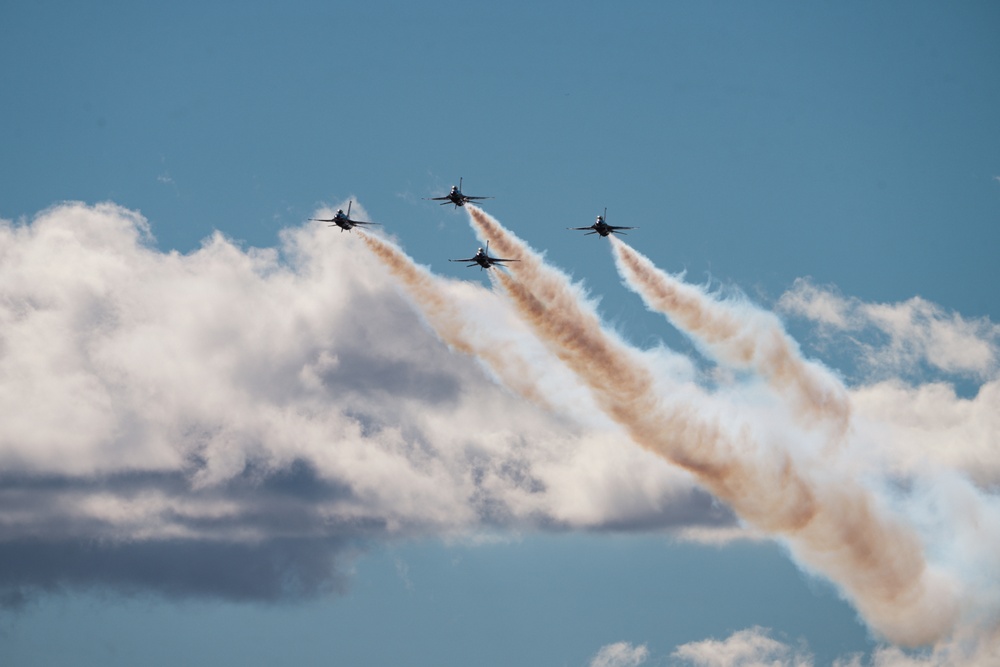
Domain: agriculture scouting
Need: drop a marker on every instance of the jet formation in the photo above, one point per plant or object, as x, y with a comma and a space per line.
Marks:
482, 257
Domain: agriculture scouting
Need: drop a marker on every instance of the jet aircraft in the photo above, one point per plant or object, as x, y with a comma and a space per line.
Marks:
483, 259
456, 197
343, 220
601, 227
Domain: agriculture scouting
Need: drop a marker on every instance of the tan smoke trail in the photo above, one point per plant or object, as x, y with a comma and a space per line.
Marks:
831, 522
453, 326
757, 343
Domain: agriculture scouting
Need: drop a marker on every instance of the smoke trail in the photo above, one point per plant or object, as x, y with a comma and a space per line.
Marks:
453, 326
518, 359
426, 289
747, 340
832, 522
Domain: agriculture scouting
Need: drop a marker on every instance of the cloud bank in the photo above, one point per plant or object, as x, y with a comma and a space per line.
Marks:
260, 415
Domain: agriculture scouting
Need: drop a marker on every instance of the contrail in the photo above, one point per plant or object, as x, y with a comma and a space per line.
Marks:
833, 524
753, 341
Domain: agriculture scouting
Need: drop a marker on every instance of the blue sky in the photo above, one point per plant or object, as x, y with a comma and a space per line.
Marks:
832, 162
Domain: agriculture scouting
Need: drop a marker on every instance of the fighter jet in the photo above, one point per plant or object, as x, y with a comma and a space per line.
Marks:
483, 259
601, 227
343, 220
455, 196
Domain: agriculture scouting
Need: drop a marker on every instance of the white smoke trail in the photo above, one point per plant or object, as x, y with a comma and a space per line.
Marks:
452, 325
522, 366
518, 360
741, 337
833, 523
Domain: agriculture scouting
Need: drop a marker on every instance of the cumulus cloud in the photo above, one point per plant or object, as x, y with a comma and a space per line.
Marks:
280, 407
930, 426
620, 654
755, 647
747, 648
920, 423
906, 336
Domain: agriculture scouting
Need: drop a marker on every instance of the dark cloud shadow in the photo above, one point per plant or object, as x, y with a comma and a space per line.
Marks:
271, 571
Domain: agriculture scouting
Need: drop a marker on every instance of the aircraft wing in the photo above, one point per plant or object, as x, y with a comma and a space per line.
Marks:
470, 259
322, 220
473, 198
435, 198
615, 227
581, 228
497, 259
362, 222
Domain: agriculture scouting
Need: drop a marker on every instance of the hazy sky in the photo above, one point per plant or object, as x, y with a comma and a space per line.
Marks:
231, 435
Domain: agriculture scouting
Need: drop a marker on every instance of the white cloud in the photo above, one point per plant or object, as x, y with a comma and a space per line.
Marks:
819, 305
914, 332
929, 425
286, 397
919, 330
620, 654
755, 647
918, 424
747, 648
